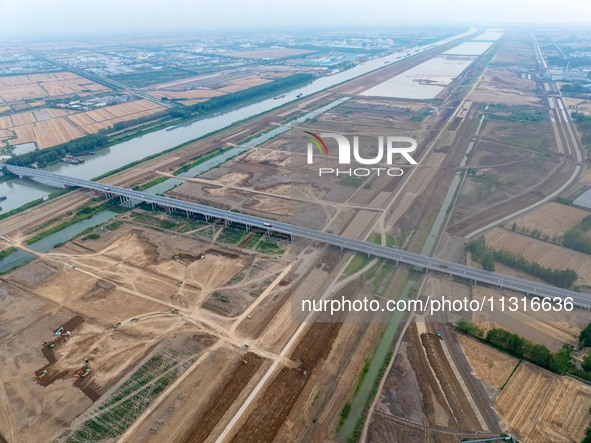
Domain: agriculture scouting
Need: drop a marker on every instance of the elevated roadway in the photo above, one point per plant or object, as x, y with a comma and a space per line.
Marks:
423, 262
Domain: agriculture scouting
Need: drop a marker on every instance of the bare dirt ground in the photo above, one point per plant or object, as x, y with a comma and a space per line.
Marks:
319, 352
282, 393
422, 389
518, 50
38, 410
538, 406
127, 277
504, 87
198, 403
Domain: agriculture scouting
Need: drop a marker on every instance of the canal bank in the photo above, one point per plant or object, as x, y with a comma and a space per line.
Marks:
352, 426
47, 243
21, 192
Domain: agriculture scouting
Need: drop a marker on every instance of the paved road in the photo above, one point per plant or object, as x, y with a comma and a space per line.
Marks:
560, 118
397, 255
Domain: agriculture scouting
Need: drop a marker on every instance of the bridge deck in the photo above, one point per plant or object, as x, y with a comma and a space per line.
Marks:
397, 255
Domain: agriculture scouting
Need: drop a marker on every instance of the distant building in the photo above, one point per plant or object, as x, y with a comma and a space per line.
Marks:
555, 74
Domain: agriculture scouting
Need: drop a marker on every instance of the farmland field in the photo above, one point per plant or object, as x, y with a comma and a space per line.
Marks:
491, 366
541, 252
199, 89
49, 127
44, 86
552, 219
541, 407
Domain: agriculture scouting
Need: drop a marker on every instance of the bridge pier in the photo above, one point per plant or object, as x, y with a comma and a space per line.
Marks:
399, 256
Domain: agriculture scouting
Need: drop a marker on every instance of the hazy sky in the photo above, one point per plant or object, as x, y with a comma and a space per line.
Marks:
35, 17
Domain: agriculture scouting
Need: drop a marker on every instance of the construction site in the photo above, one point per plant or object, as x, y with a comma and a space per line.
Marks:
158, 325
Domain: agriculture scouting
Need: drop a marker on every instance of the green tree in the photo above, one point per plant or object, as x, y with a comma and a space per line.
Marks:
468, 328
561, 361
488, 262
585, 336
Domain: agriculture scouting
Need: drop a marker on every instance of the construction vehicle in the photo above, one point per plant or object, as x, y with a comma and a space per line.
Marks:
438, 333
58, 331
244, 361
175, 311
66, 334
85, 373
202, 256
177, 255
43, 373
117, 325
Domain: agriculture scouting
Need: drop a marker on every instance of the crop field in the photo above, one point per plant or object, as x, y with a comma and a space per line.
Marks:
45, 86
107, 116
551, 329
46, 133
202, 94
491, 366
195, 90
552, 219
541, 252
578, 105
49, 127
541, 407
